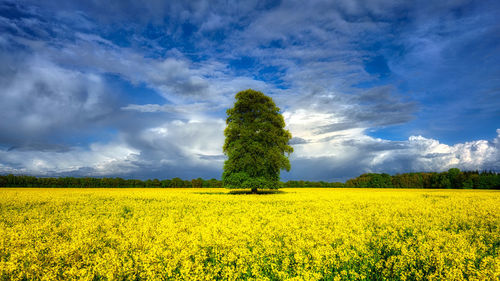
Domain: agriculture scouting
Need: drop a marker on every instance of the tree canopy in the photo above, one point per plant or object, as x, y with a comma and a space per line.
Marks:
256, 143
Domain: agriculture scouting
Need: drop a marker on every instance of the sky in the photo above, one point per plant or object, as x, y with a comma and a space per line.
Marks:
140, 89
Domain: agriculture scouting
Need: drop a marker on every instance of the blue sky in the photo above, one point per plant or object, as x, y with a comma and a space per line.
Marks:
139, 89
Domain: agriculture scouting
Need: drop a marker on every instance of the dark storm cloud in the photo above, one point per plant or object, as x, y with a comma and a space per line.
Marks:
375, 107
383, 114
375, 145
335, 127
40, 147
296, 140
40, 100
322, 168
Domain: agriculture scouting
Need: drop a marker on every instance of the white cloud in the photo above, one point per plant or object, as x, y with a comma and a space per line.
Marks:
183, 140
114, 158
430, 155
186, 147
351, 153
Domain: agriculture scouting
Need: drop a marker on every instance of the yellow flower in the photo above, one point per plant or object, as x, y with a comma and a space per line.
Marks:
207, 234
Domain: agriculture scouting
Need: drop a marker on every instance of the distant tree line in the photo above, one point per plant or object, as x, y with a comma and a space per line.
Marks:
302, 183
453, 178
30, 181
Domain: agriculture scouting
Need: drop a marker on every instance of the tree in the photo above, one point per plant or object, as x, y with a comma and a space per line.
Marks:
256, 143
177, 182
453, 174
197, 183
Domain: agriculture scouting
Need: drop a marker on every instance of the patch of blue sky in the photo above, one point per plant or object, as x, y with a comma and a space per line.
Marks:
120, 36
394, 132
274, 75
377, 66
256, 69
134, 94
243, 64
84, 137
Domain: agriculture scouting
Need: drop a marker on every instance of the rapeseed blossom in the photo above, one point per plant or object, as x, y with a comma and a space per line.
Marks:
207, 234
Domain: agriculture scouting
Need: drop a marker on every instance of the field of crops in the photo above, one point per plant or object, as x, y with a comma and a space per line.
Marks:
207, 234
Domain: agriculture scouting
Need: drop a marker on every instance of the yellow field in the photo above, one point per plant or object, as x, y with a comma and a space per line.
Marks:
207, 234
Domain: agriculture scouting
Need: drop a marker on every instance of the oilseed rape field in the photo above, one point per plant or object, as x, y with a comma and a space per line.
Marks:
212, 234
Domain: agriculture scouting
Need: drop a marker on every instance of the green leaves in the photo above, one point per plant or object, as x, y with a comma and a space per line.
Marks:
256, 142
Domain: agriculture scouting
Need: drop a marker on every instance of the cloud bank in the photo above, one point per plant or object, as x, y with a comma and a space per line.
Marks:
139, 90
